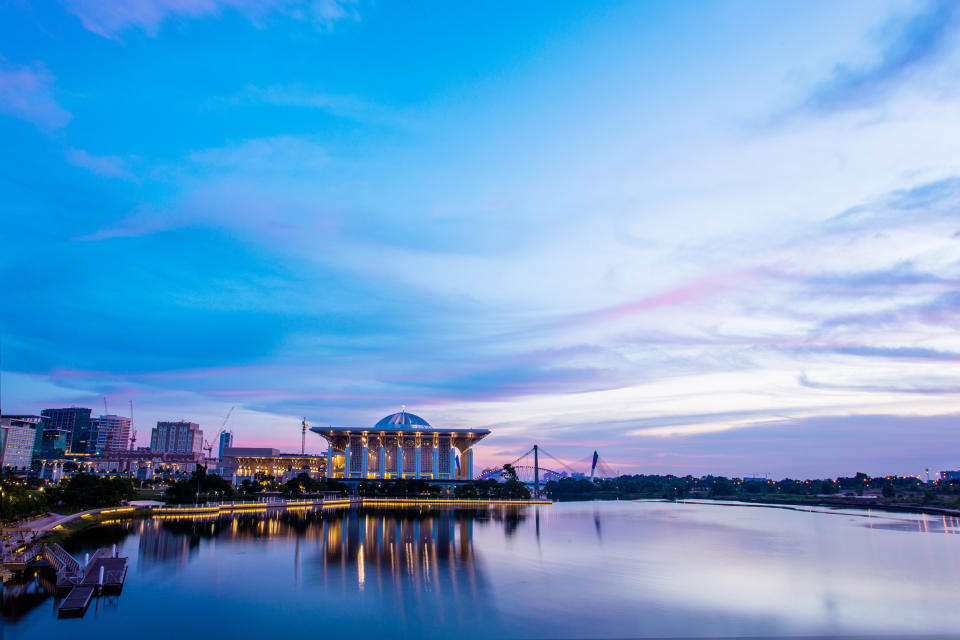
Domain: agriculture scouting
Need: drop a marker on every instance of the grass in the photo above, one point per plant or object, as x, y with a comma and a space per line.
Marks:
85, 522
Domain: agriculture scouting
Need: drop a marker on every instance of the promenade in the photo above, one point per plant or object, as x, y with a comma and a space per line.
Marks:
24, 534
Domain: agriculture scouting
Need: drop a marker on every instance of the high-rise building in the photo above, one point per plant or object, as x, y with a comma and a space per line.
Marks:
226, 442
177, 437
114, 433
16, 442
75, 422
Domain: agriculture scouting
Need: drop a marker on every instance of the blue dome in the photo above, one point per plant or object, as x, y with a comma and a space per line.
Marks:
402, 419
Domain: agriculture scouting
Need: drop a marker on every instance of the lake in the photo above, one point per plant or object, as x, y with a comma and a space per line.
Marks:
568, 570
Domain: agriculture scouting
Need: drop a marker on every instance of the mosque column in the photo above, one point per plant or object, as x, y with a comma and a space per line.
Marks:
436, 459
329, 459
364, 457
467, 461
399, 456
382, 460
416, 457
453, 463
346, 459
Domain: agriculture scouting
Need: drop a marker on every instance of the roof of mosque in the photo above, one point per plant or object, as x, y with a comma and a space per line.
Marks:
402, 418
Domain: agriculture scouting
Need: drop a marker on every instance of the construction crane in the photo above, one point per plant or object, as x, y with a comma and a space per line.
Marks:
133, 429
207, 445
303, 437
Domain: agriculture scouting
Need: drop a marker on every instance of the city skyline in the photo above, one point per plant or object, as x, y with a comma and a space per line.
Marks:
721, 241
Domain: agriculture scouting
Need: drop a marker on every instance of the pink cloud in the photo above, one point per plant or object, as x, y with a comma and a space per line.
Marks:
27, 93
692, 292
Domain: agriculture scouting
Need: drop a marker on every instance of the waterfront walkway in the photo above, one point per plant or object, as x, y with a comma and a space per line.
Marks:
22, 537
352, 501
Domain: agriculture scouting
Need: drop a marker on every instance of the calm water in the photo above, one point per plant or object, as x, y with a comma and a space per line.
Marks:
570, 570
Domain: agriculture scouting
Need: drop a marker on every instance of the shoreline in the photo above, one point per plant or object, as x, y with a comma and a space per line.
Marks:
786, 502
840, 504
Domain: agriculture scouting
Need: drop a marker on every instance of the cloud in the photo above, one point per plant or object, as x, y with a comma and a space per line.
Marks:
27, 93
281, 155
110, 18
875, 388
912, 44
929, 201
343, 106
911, 353
106, 166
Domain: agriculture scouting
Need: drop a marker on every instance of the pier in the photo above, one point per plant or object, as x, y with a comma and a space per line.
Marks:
104, 572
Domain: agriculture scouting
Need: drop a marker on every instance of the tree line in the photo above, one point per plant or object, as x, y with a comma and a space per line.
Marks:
22, 498
678, 487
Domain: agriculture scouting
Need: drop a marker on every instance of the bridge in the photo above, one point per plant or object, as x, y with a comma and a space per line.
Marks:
534, 474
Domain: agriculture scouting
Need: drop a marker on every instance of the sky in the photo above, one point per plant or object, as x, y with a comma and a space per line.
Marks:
719, 237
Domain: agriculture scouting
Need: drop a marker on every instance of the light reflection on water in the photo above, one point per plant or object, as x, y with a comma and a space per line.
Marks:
569, 570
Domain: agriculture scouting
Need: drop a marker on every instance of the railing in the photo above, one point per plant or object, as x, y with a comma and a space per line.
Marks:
23, 557
349, 501
66, 566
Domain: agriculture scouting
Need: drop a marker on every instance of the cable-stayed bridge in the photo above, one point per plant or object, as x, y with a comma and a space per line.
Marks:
531, 471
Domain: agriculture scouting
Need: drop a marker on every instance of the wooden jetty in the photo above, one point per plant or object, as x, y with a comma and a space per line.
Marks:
77, 601
105, 572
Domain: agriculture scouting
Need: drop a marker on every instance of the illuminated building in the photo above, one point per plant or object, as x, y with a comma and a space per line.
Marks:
114, 432
237, 463
177, 437
226, 442
72, 426
402, 445
144, 464
16, 443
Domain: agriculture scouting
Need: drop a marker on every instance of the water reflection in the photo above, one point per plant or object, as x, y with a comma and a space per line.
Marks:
572, 570
419, 567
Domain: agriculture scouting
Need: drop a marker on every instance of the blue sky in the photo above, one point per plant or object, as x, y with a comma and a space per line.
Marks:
719, 237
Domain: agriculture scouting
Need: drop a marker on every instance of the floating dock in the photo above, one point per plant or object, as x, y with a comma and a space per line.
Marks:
77, 601
105, 572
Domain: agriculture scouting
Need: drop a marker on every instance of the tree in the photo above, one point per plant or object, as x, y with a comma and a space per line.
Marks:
200, 484
85, 491
247, 487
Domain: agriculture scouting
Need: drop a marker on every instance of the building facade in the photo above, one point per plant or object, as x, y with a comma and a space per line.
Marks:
16, 443
226, 442
247, 463
75, 424
114, 433
402, 445
144, 464
176, 437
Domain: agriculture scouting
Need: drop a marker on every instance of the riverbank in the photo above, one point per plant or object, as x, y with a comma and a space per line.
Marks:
225, 508
797, 501
56, 528
839, 503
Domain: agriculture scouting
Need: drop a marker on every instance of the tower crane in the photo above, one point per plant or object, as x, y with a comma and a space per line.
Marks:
303, 436
133, 429
207, 445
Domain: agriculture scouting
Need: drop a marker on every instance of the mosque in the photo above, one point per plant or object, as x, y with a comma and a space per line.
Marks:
402, 445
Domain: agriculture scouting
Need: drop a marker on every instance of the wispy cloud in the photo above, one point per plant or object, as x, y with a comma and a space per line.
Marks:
343, 106
110, 18
26, 92
939, 199
106, 166
911, 44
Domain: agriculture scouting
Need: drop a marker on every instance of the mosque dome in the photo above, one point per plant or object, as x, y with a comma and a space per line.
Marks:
402, 419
